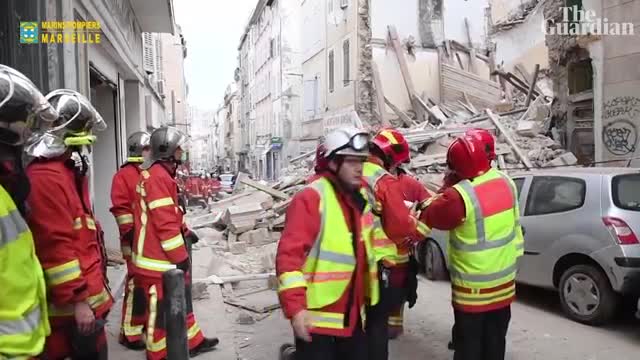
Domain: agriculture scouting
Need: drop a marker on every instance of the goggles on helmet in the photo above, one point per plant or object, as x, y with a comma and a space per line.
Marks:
358, 142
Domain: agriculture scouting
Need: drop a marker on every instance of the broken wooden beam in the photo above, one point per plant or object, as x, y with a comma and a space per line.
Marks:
520, 69
380, 100
271, 191
219, 280
469, 103
532, 87
507, 135
300, 157
404, 117
472, 51
483, 118
462, 47
404, 69
436, 114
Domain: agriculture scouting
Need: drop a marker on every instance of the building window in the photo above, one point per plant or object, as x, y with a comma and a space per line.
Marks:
344, 3
331, 71
580, 77
272, 48
331, 6
345, 65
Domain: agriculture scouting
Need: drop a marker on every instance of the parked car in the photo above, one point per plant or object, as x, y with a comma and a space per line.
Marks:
227, 182
581, 238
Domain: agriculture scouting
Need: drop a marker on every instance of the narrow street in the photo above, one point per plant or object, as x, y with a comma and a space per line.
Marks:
538, 331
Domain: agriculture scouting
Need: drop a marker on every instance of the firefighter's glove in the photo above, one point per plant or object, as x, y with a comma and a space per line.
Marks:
192, 237
185, 265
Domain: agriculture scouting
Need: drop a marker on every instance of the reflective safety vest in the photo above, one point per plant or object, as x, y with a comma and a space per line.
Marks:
384, 248
24, 323
331, 262
482, 251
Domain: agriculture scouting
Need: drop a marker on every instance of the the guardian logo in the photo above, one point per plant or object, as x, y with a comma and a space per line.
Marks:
576, 21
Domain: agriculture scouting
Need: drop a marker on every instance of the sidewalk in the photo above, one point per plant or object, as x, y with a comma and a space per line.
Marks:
210, 312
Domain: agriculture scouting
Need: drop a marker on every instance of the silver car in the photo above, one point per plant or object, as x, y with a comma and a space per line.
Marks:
581, 238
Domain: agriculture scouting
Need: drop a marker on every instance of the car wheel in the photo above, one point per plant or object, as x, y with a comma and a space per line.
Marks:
586, 295
434, 262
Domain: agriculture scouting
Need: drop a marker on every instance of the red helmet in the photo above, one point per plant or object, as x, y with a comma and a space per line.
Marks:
322, 162
393, 145
467, 158
486, 138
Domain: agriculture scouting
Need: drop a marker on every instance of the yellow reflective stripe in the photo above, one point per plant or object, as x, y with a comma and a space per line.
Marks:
135, 159
395, 320
327, 320
290, 280
124, 219
94, 301
483, 299
160, 202
91, 224
128, 328
423, 229
63, 273
27, 324
12, 226
151, 323
152, 264
77, 224
193, 331
173, 243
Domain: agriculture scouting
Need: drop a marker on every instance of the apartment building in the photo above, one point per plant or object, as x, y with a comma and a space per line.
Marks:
110, 73
173, 86
270, 87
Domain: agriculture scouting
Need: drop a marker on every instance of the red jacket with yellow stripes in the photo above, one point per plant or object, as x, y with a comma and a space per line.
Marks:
123, 194
66, 238
158, 243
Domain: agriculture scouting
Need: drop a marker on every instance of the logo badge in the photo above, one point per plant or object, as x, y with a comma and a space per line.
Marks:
28, 33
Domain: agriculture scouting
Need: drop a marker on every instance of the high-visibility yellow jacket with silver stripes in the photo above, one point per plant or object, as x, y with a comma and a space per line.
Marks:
384, 247
24, 324
331, 262
484, 249
158, 243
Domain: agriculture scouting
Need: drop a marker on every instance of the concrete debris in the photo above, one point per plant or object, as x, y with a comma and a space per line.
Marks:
244, 318
199, 291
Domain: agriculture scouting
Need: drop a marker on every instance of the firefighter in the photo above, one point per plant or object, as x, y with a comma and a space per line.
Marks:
396, 231
24, 324
123, 190
482, 216
159, 241
325, 264
416, 194
321, 163
67, 236
451, 179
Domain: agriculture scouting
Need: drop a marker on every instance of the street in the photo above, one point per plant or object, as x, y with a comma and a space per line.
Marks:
538, 331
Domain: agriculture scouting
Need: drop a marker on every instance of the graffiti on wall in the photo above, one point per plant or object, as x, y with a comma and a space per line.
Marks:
620, 133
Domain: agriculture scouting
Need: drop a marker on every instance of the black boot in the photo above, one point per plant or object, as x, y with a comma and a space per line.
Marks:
135, 345
208, 344
287, 352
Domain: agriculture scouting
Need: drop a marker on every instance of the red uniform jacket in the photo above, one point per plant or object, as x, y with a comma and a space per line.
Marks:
450, 179
123, 194
302, 226
66, 238
313, 178
163, 243
396, 218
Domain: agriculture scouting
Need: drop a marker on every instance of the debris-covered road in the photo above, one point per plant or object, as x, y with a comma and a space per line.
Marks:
538, 331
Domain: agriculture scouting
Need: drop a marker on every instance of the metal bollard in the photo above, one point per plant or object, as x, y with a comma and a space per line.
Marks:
175, 315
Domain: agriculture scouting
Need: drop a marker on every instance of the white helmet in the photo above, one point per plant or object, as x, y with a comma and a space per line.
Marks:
347, 141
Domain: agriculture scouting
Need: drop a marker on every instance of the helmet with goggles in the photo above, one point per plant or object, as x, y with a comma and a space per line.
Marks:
23, 108
74, 127
346, 141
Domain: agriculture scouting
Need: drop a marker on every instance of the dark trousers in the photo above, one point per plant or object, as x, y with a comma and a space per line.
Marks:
481, 336
323, 347
378, 322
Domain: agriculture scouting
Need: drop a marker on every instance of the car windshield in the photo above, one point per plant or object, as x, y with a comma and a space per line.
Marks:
626, 191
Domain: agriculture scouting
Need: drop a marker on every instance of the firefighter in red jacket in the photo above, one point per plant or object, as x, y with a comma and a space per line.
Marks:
451, 178
123, 191
159, 241
321, 163
400, 228
415, 193
325, 265
481, 214
66, 233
